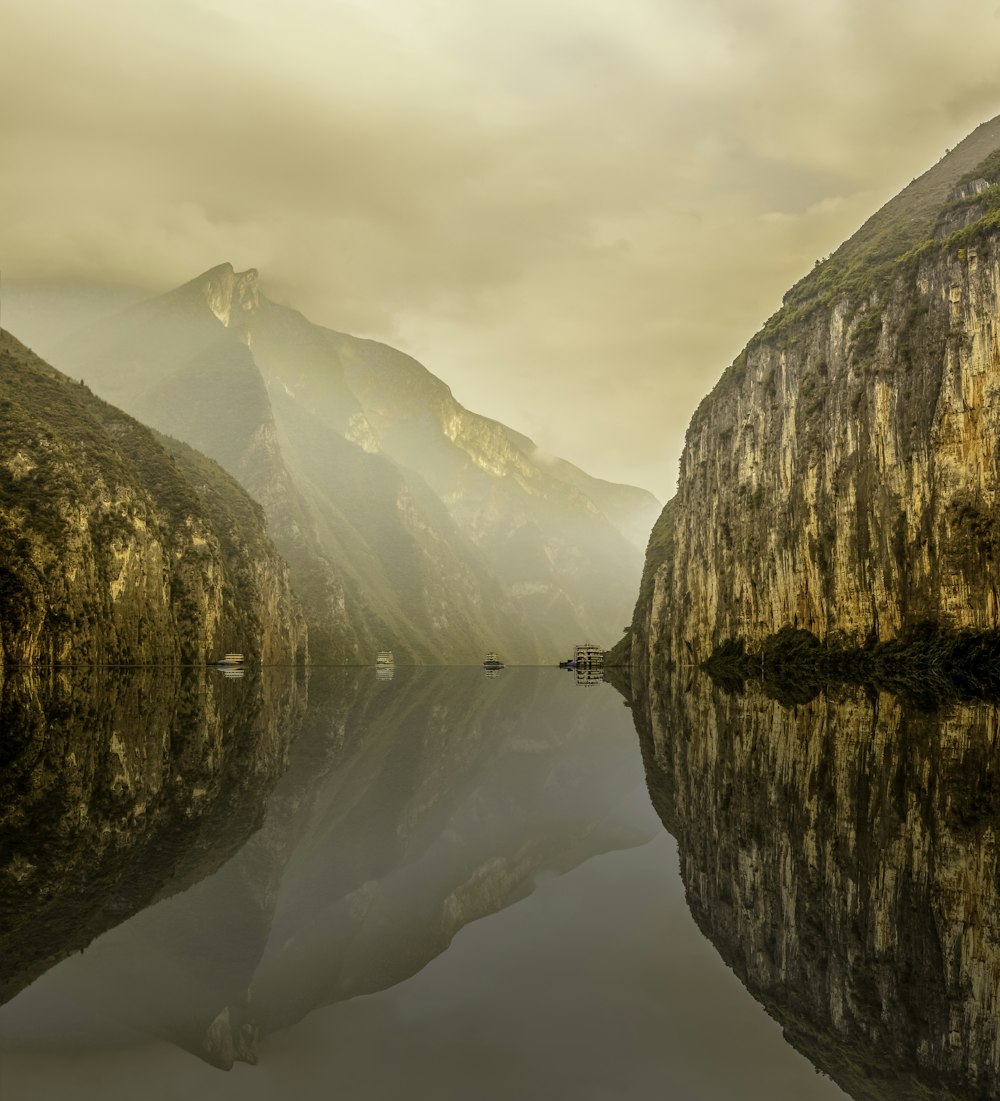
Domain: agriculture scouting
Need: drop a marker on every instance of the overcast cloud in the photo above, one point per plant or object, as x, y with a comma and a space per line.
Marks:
576, 212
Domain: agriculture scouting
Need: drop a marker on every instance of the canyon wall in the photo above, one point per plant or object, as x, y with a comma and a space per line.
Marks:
843, 475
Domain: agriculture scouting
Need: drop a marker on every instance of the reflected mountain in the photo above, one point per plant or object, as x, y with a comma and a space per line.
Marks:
117, 788
842, 856
409, 808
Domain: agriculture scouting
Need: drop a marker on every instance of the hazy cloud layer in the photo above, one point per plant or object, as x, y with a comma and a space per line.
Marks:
576, 213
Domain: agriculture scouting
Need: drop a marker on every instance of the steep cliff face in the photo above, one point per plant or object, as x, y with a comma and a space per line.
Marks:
408, 521
843, 476
843, 857
122, 547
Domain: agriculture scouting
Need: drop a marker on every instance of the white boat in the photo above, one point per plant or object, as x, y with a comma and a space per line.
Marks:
230, 659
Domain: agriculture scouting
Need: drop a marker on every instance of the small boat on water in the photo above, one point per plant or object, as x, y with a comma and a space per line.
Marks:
384, 658
229, 660
492, 661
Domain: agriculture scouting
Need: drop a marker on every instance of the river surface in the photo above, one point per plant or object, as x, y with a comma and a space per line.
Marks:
448, 885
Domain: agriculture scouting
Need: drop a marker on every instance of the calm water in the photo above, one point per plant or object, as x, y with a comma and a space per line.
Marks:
447, 885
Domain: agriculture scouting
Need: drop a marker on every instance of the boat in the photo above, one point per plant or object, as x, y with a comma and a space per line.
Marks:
229, 659
588, 654
492, 661
384, 658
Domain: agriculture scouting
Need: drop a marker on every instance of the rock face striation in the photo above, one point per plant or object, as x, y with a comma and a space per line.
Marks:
408, 522
118, 546
843, 857
843, 475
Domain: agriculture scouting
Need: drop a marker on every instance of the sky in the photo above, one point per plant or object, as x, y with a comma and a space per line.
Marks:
575, 212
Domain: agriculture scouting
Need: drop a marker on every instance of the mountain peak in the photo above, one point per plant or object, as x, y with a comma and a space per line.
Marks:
229, 294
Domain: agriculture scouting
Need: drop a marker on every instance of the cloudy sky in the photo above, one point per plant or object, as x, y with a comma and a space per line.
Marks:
576, 212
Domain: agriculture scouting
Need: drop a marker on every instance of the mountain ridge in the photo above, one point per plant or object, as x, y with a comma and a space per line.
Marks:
363, 459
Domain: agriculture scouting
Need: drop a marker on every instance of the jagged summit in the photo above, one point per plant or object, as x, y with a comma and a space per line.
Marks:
231, 295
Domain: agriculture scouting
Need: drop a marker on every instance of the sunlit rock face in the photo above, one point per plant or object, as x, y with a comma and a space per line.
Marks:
408, 521
119, 788
843, 858
843, 475
120, 546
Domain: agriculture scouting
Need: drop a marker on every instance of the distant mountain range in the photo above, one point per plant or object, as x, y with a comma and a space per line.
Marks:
408, 522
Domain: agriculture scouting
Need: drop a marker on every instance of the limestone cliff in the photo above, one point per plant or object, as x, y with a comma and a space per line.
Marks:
118, 546
843, 475
843, 857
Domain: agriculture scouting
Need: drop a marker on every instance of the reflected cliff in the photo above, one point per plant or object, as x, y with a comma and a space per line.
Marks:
408, 809
842, 856
116, 789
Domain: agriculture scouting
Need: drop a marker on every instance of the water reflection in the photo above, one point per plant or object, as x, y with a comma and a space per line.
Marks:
406, 811
114, 789
842, 856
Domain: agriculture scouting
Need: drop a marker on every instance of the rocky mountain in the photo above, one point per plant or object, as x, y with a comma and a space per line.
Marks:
843, 475
408, 522
842, 856
119, 546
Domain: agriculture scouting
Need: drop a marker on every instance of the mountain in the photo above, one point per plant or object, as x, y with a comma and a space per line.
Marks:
842, 477
119, 546
407, 521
